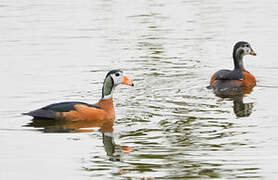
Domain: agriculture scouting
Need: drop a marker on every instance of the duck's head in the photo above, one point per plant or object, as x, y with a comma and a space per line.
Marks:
241, 49
113, 79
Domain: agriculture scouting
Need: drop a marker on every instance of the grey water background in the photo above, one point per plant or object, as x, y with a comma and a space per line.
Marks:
60, 50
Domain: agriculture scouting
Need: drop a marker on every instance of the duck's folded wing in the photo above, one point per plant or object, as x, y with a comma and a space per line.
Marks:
228, 75
67, 106
50, 111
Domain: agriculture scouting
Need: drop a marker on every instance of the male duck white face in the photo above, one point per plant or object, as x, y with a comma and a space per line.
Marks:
113, 79
119, 78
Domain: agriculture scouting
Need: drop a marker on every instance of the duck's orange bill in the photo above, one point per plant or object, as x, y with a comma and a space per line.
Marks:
127, 81
252, 52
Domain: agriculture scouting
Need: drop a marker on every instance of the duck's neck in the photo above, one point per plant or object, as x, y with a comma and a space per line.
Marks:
107, 88
238, 62
106, 103
106, 97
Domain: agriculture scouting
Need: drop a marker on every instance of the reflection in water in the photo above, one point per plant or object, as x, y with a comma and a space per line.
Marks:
113, 150
241, 109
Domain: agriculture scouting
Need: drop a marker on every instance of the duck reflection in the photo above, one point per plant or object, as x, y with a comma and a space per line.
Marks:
113, 150
240, 108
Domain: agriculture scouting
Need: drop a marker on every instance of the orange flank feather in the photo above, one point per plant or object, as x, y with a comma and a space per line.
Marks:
212, 79
249, 80
85, 113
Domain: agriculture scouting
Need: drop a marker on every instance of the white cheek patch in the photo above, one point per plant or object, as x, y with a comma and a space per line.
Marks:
246, 50
121, 79
118, 79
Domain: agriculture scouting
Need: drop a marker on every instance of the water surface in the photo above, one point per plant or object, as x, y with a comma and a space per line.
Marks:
168, 126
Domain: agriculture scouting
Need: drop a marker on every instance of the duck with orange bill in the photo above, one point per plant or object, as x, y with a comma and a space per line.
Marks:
80, 111
238, 79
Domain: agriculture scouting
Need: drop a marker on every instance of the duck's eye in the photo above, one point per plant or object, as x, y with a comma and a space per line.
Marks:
117, 74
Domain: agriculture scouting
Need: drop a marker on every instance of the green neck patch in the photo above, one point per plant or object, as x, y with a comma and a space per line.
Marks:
107, 86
